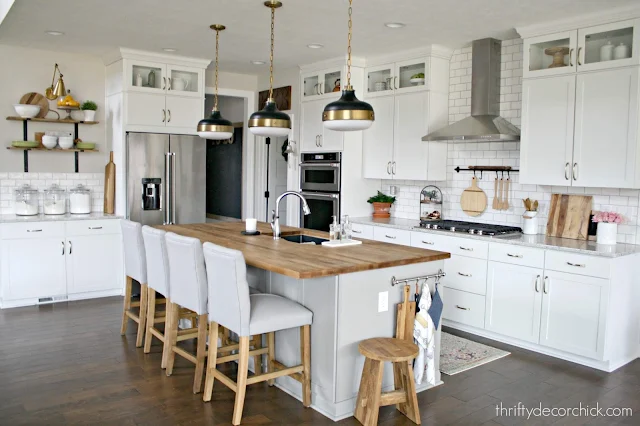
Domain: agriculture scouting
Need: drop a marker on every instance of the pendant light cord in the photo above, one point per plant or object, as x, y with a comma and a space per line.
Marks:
273, 18
349, 49
215, 104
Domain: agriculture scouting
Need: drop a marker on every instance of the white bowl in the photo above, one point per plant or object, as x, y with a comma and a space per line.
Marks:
416, 81
65, 142
49, 142
27, 111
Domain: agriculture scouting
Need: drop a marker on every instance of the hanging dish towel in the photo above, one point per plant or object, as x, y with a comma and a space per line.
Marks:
424, 333
435, 310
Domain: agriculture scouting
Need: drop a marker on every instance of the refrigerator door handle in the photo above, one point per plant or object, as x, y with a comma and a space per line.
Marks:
169, 180
173, 188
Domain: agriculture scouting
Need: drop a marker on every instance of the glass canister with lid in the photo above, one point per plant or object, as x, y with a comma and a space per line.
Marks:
80, 200
55, 200
26, 201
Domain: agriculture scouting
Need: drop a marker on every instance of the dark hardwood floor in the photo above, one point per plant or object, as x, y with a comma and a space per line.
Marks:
67, 364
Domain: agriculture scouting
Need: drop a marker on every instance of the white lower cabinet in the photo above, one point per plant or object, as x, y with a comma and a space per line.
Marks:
463, 307
91, 262
514, 301
574, 312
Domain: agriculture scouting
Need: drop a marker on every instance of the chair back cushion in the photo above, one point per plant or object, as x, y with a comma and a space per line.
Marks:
155, 248
229, 303
187, 274
135, 264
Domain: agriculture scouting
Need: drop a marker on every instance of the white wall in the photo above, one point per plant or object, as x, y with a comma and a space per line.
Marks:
229, 80
231, 108
26, 70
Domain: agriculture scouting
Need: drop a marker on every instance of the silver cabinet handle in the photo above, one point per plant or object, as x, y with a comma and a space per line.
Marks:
164, 83
388, 168
316, 140
169, 83
578, 55
514, 255
34, 230
70, 247
321, 91
545, 285
316, 88
356, 232
464, 275
571, 57
320, 139
428, 242
395, 82
466, 248
464, 309
577, 265
566, 171
393, 170
537, 284
390, 236
95, 227
575, 171
169, 115
62, 247
164, 115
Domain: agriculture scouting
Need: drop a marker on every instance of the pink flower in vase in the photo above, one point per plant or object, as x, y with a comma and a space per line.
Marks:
608, 217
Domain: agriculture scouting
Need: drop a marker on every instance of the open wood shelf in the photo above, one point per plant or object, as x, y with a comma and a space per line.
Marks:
54, 149
52, 120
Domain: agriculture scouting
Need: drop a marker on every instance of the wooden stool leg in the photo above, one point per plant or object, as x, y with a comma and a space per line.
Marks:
166, 346
151, 315
127, 306
243, 366
257, 359
172, 336
271, 355
305, 353
211, 361
203, 321
409, 408
368, 402
142, 323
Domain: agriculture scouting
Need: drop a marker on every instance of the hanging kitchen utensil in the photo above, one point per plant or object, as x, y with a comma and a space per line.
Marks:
416, 297
505, 203
495, 194
406, 314
500, 186
569, 216
473, 199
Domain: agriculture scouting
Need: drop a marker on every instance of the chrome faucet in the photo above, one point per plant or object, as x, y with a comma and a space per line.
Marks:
275, 219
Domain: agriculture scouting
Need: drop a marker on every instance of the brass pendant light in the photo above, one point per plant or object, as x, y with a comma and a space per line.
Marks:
348, 113
55, 91
270, 122
215, 127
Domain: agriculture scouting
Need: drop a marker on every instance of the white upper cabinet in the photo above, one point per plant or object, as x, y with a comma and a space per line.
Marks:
398, 77
380, 81
410, 153
377, 153
315, 137
181, 111
321, 84
550, 54
185, 81
162, 78
609, 45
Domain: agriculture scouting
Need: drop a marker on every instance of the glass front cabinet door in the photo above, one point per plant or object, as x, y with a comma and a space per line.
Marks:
185, 81
147, 77
608, 46
321, 84
411, 76
380, 80
552, 54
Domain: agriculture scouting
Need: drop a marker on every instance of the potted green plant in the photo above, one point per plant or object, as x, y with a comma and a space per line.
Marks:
381, 205
89, 108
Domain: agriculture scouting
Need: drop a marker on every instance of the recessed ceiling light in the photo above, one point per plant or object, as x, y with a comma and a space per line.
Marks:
169, 49
394, 25
258, 62
315, 46
55, 33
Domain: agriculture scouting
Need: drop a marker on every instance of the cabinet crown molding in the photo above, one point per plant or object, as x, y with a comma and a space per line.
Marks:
142, 55
356, 61
583, 21
434, 50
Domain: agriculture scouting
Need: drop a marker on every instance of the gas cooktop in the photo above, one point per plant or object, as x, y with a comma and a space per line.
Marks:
469, 227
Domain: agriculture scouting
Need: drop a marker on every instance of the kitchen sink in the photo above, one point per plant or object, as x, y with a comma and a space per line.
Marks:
303, 239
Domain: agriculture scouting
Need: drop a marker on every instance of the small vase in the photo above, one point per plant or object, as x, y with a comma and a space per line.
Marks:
89, 115
607, 233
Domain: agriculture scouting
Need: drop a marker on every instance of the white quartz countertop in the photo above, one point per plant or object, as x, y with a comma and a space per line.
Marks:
9, 218
539, 241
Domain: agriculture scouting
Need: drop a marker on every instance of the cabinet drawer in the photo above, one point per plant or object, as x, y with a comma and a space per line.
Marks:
467, 274
468, 247
362, 231
429, 241
93, 227
392, 235
592, 266
463, 307
518, 255
11, 231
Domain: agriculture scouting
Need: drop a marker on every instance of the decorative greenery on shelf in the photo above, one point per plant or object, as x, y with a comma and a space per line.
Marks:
419, 75
381, 198
89, 106
431, 195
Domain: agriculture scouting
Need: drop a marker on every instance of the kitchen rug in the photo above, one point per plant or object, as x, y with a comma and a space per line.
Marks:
458, 354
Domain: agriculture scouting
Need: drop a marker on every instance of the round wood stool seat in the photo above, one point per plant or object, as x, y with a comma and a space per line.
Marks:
388, 349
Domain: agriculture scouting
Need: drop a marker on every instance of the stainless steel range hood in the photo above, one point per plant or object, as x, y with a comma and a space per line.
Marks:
484, 124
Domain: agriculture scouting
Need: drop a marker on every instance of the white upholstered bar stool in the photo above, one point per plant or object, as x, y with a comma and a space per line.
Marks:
187, 289
231, 306
135, 266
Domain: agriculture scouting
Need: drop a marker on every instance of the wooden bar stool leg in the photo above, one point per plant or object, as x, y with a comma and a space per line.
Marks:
203, 321
172, 337
305, 354
151, 315
271, 355
410, 407
368, 402
166, 346
243, 366
142, 323
211, 361
257, 359
126, 307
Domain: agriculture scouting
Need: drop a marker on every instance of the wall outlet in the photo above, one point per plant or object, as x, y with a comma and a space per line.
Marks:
383, 301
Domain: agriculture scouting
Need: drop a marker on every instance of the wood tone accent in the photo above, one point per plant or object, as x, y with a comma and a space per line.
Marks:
271, 355
304, 261
393, 397
288, 371
110, 186
305, 350
33, 98
405, 316
171, 334
142, 324
388, 349
151, 320
127, 306
278, 366
473, 199
53, 150
233, 357
569, 216
370, 393
257, 359
241, 382
211, 366
203, 322
51, 120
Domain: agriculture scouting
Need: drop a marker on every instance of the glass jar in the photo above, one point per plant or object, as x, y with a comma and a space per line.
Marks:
26, 201
80, 200
55, 200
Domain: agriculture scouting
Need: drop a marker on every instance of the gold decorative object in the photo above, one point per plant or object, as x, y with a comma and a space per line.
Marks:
558, 54
55, 91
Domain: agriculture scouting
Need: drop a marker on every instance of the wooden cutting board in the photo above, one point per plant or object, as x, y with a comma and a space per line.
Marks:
569, 216
473, 199
33, 98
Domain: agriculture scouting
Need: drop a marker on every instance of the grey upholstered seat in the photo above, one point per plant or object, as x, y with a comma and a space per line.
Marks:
135, 264
187, 273
157, 259
232, 306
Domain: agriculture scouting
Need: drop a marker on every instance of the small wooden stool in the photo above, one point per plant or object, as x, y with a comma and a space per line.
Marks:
370, 396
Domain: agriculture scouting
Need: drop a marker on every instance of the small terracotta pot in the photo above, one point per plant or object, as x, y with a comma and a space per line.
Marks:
381, 210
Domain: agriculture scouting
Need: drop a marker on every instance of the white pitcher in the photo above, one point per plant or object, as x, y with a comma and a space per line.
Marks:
179, 84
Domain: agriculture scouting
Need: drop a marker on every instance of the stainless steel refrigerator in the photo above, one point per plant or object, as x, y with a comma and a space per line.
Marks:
166, 178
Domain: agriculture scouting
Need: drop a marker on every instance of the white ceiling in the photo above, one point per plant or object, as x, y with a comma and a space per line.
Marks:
97, 26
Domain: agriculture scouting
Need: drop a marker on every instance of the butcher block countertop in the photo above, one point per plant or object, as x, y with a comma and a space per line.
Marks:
301, 260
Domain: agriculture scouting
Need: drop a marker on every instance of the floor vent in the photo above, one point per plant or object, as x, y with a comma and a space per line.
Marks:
45, 300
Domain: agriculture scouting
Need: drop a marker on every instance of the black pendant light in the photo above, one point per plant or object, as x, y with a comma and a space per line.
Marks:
269, 122
215, 127
348, 113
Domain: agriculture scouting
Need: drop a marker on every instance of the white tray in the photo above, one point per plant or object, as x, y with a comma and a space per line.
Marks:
341, 243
